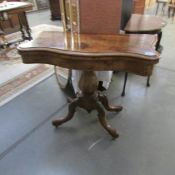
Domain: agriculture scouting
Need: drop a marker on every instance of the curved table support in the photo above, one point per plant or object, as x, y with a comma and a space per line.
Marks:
89, 99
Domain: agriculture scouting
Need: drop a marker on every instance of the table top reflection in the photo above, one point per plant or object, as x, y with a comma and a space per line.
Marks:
90, 52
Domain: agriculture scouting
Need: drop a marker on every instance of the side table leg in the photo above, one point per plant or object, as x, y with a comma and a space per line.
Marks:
148, 81
21, 27
24, 26
159, 37
124, 85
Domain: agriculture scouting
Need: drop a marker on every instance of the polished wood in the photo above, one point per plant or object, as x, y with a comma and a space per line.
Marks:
19, 9
146, 24
89, 99
130, 53
55, 9
93, 52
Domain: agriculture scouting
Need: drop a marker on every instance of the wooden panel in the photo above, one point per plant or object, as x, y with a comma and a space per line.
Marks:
100, 16
139, 6
93, 52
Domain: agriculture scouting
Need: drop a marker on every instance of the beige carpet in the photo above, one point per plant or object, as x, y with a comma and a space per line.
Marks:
16, 77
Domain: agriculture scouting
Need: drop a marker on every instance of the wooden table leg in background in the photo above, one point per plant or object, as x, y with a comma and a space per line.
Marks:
24, 26
89, 99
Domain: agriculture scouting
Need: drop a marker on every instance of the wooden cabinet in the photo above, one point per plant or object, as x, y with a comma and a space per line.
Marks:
55, 9
139, 6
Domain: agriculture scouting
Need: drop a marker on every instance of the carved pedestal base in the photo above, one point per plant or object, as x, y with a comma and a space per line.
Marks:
90, 99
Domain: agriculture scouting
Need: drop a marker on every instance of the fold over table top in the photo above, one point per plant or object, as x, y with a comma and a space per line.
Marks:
130, 53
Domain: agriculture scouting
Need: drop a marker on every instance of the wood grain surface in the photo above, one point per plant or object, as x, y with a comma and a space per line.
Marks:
130, 53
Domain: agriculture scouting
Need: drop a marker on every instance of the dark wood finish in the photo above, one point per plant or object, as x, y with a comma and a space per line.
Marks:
19, 9
146, 24
89, 99
98, 51
89, 53
55, 9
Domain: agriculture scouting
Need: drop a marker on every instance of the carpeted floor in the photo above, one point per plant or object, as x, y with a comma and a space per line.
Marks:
17, 77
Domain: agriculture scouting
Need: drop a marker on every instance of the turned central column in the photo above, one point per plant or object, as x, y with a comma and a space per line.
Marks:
88, 82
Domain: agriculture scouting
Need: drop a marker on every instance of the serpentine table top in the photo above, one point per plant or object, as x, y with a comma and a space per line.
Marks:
144, 24
131, 53
89, 53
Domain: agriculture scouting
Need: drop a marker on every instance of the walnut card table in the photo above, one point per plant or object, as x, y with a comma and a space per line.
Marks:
89, 53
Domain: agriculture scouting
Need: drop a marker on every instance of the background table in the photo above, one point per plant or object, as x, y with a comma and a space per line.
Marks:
145, 24
20, 9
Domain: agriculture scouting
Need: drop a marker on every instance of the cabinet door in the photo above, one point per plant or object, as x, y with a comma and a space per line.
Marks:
100, 16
